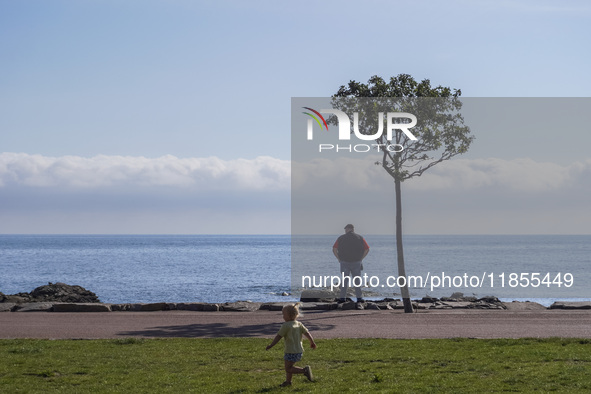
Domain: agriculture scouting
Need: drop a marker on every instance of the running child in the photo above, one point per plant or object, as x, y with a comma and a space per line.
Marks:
292, 331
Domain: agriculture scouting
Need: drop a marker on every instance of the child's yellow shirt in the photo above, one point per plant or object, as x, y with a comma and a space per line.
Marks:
292, 332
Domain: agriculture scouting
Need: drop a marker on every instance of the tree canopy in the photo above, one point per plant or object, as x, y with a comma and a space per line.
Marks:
440, 130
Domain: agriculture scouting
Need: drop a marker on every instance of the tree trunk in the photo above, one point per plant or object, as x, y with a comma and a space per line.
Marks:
399, 250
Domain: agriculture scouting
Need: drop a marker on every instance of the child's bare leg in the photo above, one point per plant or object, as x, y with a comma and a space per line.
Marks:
288, 374
290, 369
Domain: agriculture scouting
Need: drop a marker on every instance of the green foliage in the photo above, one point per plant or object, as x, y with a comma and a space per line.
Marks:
240, 365
440, 129
402, 85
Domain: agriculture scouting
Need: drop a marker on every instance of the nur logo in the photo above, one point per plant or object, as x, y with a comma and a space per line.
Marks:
345, 124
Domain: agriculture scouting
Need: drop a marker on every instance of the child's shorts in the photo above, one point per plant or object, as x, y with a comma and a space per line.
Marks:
293, 357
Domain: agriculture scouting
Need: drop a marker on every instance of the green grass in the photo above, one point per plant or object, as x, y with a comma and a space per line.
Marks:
236, 365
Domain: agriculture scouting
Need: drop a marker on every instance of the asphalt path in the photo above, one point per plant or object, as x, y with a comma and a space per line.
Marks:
322, 324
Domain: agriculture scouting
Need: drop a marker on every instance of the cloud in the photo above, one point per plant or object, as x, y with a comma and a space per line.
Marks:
458, 196
123, 194
117, 194
100, 172
518, 175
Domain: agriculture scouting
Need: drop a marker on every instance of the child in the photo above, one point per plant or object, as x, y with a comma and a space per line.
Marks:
292, 330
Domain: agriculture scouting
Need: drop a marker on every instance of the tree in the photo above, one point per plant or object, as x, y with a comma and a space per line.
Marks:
440, 132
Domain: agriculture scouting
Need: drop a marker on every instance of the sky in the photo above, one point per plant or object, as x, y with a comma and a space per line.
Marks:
173, 117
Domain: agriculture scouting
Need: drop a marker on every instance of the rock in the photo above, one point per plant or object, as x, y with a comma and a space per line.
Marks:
7, 306
428, 300
190, 306
490, 300
349, 305
318, 306
488, 306
154, 307
211, 307
318, 296
397, 305
273, 306
87, 307
139, 307
379, 305
524, 306
61, 292
240, 306
458, 304
459, 297
18, 298
34, 307
571, 305
120, 307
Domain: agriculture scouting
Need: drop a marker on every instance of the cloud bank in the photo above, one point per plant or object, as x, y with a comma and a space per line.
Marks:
517, 175
124, 171
123, 194
137, 195
460, 196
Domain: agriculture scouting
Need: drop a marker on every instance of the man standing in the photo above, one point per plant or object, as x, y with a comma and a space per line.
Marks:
350, 249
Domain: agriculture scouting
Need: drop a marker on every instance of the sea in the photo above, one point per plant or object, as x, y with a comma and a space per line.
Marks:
269, 268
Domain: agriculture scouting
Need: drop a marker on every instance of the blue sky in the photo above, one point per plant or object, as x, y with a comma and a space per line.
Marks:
174, 116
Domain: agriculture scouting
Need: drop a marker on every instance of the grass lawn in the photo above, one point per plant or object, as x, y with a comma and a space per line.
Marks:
236, 365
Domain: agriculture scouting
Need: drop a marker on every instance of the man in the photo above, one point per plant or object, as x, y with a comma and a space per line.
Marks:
350, 249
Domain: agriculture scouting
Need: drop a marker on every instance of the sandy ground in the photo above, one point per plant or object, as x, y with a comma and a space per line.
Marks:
322, 324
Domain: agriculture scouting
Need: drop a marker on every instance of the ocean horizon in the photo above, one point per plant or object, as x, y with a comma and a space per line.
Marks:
262, 268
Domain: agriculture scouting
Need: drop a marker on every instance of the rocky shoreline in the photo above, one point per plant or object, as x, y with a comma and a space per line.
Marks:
60, 297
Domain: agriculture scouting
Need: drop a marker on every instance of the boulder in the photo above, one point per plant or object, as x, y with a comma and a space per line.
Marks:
61, 292
318, 306
347, 306
490, 300
240, 306
139, 307
571, 305
87, 307
458, 304
524, 306
211, 307
273, 306
318, 296
459, 297
154, 307
34, 307
7, 307
380, 305
120, 307
428, 300
19, 298
190, 306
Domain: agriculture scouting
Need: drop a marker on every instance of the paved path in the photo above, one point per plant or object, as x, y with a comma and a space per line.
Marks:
323, 324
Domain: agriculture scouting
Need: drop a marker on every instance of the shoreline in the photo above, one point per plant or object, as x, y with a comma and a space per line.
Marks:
248, 306
61, 297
